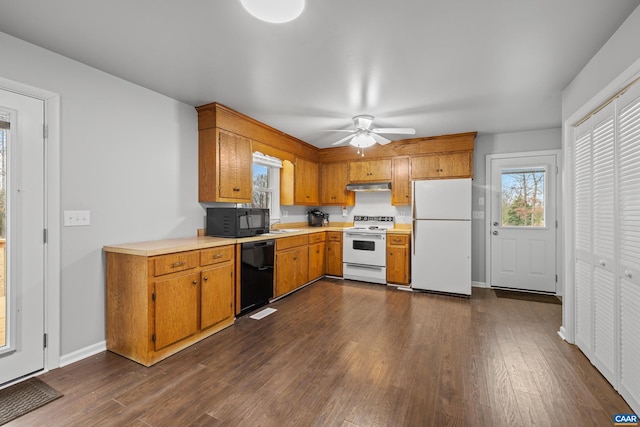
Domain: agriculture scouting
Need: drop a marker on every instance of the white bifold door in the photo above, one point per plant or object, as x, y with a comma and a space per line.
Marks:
605, 157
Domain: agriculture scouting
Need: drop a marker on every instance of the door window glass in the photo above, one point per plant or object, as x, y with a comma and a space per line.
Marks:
523, 193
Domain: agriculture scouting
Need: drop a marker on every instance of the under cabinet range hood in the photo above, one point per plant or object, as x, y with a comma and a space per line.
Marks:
370, 186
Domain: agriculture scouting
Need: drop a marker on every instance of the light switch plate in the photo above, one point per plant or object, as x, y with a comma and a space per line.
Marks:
478, 214
77, 218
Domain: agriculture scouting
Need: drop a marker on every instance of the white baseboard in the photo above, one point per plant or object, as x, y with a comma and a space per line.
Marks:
479, 285
561, 332
83, 353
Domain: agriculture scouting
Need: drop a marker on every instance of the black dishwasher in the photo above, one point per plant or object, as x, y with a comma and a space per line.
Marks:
256, 276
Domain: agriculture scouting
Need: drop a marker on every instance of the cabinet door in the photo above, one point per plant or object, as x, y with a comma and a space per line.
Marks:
400, 184
334, 254
370, 170
235, 161
456, 165
334, 185
292, 266
316, 260
425, 167
398, 259
306, 183
176, 309
216, 299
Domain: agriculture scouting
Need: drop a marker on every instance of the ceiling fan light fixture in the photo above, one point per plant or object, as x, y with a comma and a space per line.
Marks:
362, 140
274, 11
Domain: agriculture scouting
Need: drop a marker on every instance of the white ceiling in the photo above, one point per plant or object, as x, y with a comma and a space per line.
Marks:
440, 66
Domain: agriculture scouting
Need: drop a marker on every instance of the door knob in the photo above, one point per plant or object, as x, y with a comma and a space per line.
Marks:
495, 233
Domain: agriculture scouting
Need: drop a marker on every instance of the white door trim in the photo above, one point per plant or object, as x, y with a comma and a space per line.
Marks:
567, 330
51, 217
488, 215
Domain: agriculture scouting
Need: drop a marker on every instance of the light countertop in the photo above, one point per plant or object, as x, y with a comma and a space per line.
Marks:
167, 246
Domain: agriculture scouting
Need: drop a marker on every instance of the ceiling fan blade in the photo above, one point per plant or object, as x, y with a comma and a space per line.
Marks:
337, 130
397, 131
344, 139
380, 139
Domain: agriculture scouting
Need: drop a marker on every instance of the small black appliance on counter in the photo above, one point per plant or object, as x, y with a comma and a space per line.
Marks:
318, 218
237, 222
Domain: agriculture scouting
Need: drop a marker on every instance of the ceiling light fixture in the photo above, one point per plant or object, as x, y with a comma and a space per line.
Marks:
274, 11
362, 140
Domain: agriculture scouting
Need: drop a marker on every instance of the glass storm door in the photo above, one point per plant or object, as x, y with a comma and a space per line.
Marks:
21, 236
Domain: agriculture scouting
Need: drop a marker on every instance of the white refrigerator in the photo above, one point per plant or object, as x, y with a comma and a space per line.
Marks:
441, 236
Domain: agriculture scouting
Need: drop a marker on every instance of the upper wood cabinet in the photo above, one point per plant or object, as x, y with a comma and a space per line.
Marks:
400, 183
370, 170
333, 191
224, 167
444, 165
306, 183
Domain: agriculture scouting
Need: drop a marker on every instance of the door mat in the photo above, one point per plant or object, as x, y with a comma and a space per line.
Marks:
24, 397
263, 313
526, 296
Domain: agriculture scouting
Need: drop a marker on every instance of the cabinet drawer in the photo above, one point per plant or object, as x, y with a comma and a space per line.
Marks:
316, 237
216, 255
397, 239
172, 263
290, 242
334, 236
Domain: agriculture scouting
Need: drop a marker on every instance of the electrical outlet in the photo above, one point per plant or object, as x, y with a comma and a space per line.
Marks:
77, 218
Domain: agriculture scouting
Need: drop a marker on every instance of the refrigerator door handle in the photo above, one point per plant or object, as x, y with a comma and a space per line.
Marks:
413, 235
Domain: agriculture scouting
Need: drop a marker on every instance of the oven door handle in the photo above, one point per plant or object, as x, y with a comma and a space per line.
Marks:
372, 236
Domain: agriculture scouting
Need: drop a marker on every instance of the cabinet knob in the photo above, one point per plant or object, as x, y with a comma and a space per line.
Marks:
603, 263
205, 278
627, 273
195, 282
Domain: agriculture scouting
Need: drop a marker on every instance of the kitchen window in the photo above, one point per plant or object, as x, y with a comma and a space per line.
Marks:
266, 184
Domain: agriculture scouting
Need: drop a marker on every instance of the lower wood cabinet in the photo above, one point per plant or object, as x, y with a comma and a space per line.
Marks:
159, 305
317, 249
398, 259
334, 253
291, 264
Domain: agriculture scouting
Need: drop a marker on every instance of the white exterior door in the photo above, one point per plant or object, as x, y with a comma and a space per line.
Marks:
22, 296
523, 223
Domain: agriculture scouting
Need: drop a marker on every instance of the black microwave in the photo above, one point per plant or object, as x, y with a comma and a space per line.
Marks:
237, 222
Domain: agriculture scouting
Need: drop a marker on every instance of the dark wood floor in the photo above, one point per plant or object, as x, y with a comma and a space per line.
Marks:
341, 353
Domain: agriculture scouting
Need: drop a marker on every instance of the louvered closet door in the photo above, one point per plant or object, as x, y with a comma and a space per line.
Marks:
583, 238
604, 272
629, 232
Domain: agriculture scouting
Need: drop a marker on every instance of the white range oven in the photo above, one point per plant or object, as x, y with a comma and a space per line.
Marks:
364, 249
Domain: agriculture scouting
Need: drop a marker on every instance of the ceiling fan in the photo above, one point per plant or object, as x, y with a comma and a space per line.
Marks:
363, 136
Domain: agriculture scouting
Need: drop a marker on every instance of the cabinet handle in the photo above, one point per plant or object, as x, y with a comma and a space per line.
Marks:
195, 282
217, 256
295, 258
178, 264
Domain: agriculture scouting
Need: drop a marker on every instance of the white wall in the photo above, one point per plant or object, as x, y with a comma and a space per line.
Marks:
129, 155
549, 139
617, 55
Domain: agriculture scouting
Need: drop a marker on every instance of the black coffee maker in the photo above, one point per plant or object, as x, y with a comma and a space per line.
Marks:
317, 218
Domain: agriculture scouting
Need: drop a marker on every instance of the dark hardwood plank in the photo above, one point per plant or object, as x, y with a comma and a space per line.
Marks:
342, 353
